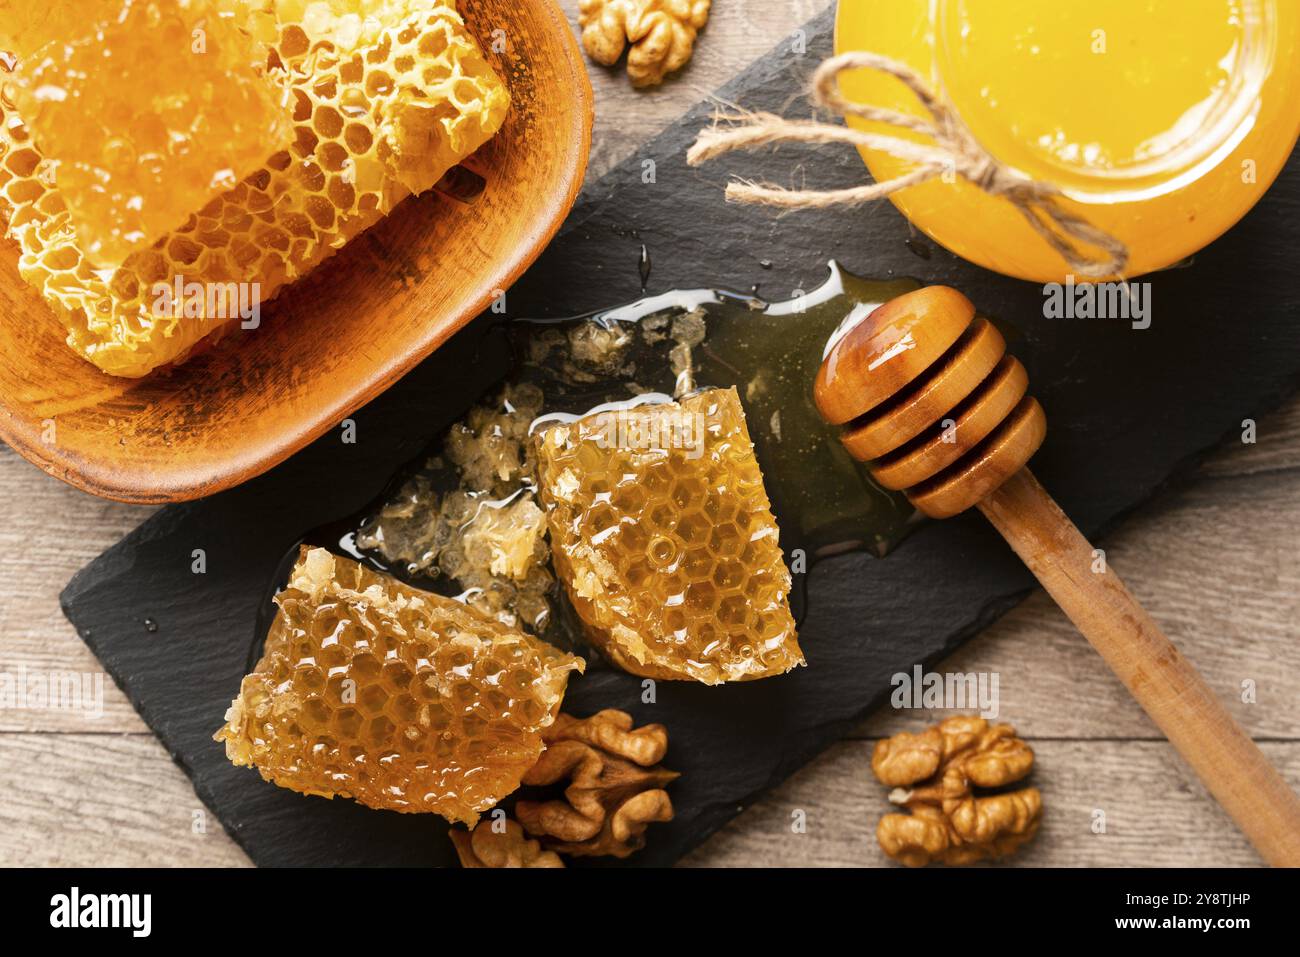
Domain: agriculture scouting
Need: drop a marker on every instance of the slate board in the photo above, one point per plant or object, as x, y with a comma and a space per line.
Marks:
1129, 411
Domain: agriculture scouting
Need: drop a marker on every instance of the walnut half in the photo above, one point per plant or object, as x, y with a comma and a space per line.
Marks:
615, 786
500, 844
661, 33
934, 775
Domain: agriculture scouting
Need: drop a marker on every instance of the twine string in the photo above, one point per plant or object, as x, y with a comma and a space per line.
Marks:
954, 151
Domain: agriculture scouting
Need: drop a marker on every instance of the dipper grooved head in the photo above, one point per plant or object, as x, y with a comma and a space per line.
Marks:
928, 396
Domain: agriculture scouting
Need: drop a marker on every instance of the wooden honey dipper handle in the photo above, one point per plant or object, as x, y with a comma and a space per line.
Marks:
1165, 683
930, 399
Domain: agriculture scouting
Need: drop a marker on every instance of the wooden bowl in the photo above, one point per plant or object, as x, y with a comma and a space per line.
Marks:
330, 342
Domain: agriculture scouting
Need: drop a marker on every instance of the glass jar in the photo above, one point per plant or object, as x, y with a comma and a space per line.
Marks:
1162, 121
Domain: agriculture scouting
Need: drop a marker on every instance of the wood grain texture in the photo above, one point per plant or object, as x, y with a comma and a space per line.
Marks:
1165, 682
141, 810
1154, 816
330, 342
84, 800
1215, 564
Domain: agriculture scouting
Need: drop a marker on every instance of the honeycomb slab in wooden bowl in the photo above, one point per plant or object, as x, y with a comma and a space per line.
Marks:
330, 341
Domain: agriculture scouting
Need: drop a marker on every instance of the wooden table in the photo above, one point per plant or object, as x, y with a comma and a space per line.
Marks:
1216, 563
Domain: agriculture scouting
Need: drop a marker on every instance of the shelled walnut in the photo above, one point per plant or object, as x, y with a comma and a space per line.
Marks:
661, 33
615, 786
934, 775
491, 844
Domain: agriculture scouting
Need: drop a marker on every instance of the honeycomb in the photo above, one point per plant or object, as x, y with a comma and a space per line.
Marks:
398, 698
669, 550
146, 115
386, 96
27, 25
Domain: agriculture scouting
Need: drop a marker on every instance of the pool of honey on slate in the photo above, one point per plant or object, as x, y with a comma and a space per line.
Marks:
825, 503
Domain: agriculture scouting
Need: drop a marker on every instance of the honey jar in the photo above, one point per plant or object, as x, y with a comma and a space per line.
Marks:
1161, 122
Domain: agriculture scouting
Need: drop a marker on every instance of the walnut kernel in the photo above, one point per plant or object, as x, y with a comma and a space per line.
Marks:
615, 786
661, 34
934, 774
491, 845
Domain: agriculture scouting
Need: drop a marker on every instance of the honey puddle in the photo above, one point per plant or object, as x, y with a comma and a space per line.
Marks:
463, 519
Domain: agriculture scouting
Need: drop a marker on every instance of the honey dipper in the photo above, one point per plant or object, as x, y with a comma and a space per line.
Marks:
928, 396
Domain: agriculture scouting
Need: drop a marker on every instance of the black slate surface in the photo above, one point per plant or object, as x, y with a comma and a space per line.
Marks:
1129, 411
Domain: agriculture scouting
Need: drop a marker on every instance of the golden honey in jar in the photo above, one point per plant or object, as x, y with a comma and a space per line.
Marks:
1161, 121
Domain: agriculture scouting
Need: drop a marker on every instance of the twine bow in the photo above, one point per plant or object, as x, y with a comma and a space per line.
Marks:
954, 150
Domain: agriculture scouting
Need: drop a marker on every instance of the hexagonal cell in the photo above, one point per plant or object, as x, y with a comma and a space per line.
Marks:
326, 121
315, 715
380, 731
629, 499
658, 478
348, 722
634, 536
729, 575
372, 699
663, 516
396, 676
733, 610
310, 678
725, 541
365, 668
698, 563
22, 162
600, 518
694, 528
688, 492
701, 597
379, 83
720, 508
327, 746
433, 717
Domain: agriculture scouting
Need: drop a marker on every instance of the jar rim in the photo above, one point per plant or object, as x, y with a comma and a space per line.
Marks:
1229, 120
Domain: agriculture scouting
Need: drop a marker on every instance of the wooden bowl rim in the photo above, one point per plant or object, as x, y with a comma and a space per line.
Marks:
103, 479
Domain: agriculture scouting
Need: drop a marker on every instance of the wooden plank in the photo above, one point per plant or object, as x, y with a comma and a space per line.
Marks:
110, 800
1276, 445
49, 532
1156, 814
84, 800
1216, 565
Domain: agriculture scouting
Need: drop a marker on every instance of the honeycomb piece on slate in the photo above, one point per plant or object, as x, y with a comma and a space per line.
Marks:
373, 123
662, 533
148, 114
401, 699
